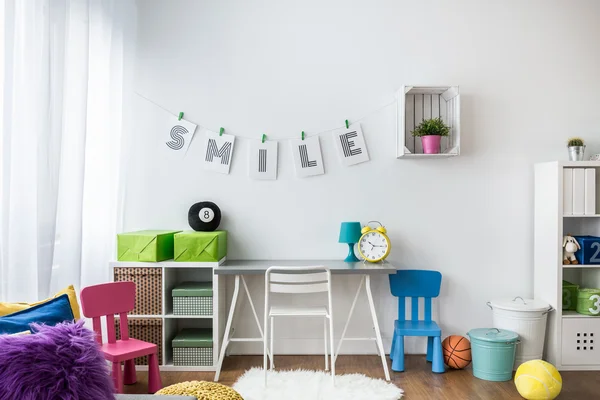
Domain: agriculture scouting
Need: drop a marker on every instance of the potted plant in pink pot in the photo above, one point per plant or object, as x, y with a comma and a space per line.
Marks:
431, 131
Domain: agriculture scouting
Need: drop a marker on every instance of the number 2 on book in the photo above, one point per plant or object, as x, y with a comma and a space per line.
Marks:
595, 258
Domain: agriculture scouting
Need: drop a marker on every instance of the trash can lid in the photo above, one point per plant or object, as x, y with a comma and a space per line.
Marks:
520, 304
493, 335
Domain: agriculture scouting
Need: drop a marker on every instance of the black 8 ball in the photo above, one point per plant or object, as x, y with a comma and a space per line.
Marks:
204, 216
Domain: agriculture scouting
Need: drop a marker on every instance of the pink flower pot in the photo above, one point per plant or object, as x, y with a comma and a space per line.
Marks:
431, 144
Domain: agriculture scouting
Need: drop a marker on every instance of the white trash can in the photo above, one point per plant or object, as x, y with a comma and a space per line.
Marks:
527, 317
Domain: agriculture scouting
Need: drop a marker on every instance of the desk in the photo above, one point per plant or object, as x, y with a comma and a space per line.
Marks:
258, 267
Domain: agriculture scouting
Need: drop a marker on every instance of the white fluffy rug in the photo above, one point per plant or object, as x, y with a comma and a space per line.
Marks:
313, 385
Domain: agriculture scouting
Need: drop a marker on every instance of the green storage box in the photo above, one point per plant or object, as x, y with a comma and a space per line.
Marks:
193, 347
193, 298
588, 302
151, 246
191, 246
569, 295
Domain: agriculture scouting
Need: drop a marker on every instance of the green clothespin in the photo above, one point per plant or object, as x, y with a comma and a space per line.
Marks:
180, 115
302, 135
347, 126
264, 137
221, 131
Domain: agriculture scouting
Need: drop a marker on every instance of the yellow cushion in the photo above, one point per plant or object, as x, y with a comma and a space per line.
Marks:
201, 390
538, 380
9, 308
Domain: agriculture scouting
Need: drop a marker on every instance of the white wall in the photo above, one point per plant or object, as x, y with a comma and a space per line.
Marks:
529, 74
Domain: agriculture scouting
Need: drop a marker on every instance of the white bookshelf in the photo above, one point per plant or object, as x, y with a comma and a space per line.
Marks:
567, 331
174, 273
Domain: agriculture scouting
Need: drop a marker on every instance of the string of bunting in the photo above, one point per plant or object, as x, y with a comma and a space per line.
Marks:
263, 153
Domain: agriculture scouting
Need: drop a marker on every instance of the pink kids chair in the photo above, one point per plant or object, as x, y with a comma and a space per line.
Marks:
107, 300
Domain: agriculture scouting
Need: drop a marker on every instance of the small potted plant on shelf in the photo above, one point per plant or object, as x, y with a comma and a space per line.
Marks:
431, 131
576, 149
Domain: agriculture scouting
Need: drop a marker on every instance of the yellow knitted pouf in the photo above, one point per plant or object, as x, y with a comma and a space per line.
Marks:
202, 390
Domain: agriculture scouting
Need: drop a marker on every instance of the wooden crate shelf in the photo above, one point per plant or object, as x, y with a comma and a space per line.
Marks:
417, 103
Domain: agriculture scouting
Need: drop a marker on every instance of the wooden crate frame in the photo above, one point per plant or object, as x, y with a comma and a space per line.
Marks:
416, 103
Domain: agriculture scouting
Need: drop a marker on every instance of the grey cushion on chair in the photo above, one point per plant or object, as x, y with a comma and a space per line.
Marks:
151, 397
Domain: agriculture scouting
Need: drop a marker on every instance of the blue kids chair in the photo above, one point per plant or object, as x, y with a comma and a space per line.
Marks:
415, 284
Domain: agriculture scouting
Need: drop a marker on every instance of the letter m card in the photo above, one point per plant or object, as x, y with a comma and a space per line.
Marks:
218, 152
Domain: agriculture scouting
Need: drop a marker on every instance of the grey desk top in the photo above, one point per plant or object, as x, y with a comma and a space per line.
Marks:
250, 267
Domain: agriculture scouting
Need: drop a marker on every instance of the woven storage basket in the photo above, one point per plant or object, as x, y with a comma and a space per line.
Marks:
569, 295
588, 302
148, 287
146, 329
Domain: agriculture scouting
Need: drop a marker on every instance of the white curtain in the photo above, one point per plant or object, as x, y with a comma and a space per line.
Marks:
67, 73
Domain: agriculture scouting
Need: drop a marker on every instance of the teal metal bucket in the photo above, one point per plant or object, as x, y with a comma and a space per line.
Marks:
493, 352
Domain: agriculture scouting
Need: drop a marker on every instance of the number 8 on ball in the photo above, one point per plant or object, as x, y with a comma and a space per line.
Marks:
204, 216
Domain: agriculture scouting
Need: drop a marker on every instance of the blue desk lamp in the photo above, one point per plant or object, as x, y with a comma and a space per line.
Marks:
350, 233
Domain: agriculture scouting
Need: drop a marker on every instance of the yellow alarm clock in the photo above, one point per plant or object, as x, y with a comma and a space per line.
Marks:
374, 245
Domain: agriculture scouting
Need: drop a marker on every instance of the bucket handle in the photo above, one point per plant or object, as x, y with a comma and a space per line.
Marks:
489, 331
489, 304
548, 310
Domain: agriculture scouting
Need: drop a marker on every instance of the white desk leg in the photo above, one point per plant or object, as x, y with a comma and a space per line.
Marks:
226, 337
256, 317
377, 331
362, 280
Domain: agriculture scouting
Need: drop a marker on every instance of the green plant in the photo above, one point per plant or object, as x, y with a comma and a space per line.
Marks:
575, 141
433, 126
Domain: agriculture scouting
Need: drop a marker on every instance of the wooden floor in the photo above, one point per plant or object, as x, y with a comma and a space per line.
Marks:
418, 382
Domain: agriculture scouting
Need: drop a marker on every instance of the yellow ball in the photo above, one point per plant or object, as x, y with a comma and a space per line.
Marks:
538, 380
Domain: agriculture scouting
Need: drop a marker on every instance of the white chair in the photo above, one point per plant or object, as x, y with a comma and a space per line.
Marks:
298, 280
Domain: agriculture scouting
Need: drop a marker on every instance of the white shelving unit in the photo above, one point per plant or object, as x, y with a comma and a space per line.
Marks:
174, 273
417, 103
571, 337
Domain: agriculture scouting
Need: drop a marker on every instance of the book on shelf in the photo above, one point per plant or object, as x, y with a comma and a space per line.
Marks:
568, 191
590, 191
578, 191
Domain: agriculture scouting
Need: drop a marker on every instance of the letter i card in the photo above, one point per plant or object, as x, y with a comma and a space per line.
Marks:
262, 160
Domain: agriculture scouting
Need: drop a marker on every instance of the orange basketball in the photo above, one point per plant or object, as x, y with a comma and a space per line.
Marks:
457, 351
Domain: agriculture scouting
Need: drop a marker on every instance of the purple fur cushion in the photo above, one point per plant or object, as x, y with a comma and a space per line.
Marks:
58, 362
